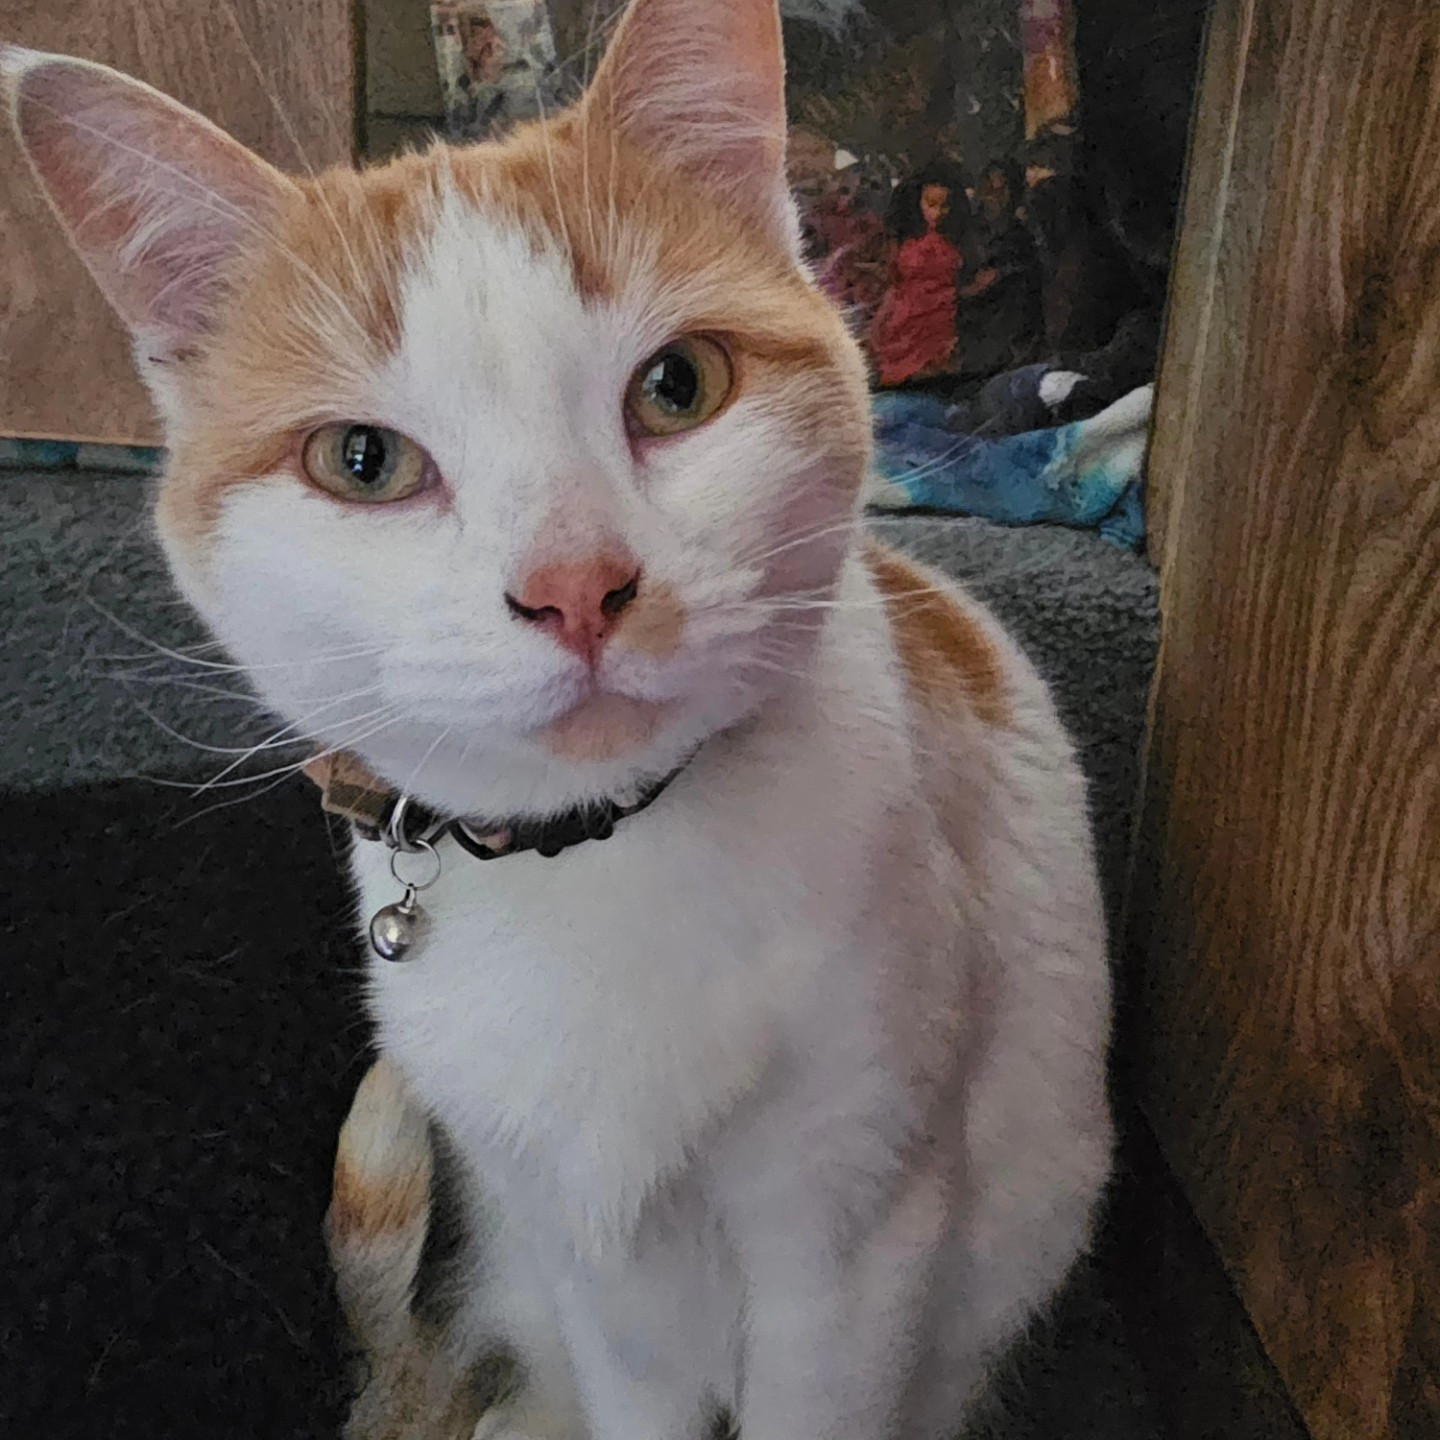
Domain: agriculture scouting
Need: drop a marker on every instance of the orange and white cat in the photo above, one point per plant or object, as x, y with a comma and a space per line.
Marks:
529, 473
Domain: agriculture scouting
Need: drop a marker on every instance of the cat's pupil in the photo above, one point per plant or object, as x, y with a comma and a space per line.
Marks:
362, 452
673, 383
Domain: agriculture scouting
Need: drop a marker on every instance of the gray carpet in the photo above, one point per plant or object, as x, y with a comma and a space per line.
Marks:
86, 608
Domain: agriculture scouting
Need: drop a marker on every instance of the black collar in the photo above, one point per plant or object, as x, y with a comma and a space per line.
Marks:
380, 814
545, 835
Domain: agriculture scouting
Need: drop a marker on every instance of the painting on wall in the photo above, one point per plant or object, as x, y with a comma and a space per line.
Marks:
914, 132
934, 151
497, 63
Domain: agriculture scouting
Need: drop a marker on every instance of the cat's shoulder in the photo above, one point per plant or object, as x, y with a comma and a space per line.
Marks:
954, 655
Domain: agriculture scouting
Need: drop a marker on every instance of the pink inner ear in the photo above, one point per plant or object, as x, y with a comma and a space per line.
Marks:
156, 199
701, 84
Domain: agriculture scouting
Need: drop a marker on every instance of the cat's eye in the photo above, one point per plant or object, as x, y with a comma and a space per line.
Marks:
679, 387
365, 462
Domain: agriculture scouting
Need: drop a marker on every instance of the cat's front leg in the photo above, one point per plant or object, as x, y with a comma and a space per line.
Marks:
834, 1331
631, 1388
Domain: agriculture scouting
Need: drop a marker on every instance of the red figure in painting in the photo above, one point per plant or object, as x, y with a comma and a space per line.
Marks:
913, 333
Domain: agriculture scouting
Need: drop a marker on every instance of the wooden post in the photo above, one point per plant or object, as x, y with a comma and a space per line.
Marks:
1285, 913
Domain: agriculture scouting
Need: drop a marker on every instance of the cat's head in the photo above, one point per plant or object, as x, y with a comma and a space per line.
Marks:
516, 469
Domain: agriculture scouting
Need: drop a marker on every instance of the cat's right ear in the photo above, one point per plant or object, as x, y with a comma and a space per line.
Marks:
701, 85
156, 199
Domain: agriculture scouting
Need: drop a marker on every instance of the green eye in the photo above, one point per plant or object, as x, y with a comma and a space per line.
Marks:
679, 387
365, 462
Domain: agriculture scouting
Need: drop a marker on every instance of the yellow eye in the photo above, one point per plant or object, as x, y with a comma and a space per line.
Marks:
679, 387
365, 462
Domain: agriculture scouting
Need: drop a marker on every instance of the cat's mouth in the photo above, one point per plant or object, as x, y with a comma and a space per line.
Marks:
603, 725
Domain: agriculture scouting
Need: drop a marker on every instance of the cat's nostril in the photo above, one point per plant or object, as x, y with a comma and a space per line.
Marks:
536, 614
618, 599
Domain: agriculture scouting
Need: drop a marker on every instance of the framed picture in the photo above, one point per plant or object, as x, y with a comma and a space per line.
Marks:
497, 63
983, 184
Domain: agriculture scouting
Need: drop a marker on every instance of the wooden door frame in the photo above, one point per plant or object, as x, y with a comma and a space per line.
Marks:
1283, 929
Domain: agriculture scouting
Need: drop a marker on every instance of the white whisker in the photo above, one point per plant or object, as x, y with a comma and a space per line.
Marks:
275, 777
207, 694
290, 133
219, 781
285, 736
425, 759
933, 464
793, 540
554, 181
348, 653
390, 713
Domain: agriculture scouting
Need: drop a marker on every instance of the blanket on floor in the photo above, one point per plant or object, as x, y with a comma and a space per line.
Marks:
1089, 474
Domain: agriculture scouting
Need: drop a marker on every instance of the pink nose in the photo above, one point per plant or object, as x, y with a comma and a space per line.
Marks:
579, 602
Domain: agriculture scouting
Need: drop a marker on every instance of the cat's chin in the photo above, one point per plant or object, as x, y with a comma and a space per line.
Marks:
604, 726
604, 746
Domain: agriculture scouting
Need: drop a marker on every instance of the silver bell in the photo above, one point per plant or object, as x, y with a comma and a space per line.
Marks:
396, 929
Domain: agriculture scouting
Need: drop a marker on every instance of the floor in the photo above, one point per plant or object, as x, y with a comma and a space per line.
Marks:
181, 1027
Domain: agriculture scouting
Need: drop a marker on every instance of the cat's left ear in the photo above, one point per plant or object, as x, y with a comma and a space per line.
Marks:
700, 84
156, 199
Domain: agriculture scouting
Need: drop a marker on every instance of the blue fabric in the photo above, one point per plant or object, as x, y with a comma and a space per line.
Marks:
74, 454
1125, 524
1088, 474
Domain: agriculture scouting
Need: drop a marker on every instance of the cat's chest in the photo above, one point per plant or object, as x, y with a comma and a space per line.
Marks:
587, 1017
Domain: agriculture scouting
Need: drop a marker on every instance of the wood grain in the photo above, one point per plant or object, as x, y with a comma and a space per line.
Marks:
281, 77
1285, 912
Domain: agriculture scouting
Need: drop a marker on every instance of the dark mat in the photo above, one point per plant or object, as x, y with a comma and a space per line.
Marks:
180, 1035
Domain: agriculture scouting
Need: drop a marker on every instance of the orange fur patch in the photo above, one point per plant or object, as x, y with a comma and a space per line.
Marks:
314, 314
949, 660
366, 1206
654, 625
576, 187
381, 1187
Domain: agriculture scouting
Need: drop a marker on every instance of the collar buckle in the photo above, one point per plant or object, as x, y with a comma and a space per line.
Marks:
407, 826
